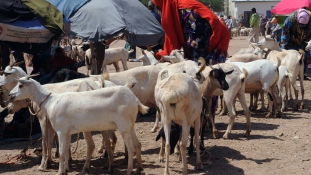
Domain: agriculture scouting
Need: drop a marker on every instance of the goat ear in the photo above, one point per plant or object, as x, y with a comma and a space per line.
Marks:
230, 72
143, 51
212, 73
167, 58
306, 42
198, 75
23, 81
164, 74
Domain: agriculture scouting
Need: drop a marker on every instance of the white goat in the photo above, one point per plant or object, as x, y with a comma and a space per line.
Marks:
115, 117
175, 56
283, 81
147, 58
114, 55
179, 99
145, 78
212, 87
78, 85
308, 47
246, 57
235, 82
292, 59
262, 74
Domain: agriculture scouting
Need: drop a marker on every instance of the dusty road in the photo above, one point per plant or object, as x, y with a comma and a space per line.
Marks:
277, 146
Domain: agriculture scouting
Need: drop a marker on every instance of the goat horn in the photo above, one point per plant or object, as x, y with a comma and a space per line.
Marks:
12, 64
150, 47
18, 63
203, 64
33, 75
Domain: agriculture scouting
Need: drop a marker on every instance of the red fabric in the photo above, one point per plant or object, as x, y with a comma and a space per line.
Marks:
286, 7
64, 61
174, 37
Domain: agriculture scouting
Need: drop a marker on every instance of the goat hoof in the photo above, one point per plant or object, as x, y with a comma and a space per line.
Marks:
137, 172
278, 114
199, 167
302, 106
247, 133
40, 169
225, 136
100, 151
110, 170
176, 154
153, 130
56, 155
268, 115
161, 160
215, 134
254, 108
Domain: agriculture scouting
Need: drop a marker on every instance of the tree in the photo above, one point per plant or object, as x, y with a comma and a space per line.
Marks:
215, 5
145, 2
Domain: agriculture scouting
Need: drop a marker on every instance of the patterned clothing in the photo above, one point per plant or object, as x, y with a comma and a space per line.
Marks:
294, 36
197, 32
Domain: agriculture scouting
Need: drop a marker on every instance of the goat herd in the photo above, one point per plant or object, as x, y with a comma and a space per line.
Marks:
179, 90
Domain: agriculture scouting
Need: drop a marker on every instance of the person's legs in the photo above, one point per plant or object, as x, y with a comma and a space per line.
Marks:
5, 56
256, 34
251, 35
230, 33
20, 57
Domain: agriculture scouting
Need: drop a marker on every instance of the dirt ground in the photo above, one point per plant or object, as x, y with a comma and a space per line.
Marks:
278, 146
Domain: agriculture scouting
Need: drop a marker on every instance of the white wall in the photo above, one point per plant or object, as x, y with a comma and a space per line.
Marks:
261, 7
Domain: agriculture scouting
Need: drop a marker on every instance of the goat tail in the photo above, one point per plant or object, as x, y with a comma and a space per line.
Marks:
244, 74
289, 75
131, 51
142, 108
302, 53
278, 62
105, 76
130, 85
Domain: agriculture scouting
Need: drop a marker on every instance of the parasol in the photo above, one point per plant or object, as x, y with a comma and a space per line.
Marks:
286, 7
96, 20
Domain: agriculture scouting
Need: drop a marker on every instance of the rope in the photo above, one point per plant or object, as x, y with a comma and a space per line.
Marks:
78, 138
30, 105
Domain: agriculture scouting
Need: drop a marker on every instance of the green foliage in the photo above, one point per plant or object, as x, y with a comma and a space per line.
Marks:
145, 2
215, 5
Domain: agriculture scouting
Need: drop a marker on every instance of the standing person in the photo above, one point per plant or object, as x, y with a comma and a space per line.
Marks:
222, 19
296, 32
128, 46
276, 30
254, 24
229, 24
190, 25
155, 14
241, 21
6, 57
262, 23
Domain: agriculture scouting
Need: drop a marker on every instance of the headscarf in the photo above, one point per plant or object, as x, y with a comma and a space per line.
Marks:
174, 36
303, 16
62, 61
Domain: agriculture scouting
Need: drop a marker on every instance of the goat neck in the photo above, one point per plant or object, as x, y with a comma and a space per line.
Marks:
38, 92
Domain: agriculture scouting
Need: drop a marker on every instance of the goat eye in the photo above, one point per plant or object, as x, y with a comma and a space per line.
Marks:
184, 71
20, 86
